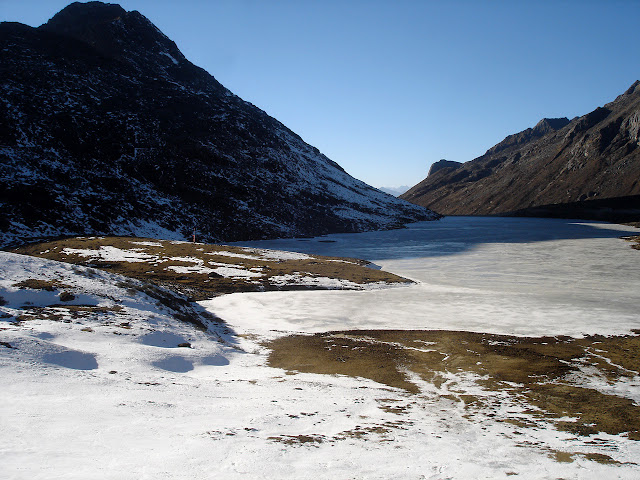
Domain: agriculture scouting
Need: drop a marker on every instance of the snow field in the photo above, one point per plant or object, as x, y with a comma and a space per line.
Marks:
110, 394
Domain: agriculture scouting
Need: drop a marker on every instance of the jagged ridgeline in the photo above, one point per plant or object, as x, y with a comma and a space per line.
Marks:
588, 167
106, 128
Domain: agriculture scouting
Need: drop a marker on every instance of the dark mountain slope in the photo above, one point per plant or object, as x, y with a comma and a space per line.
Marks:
595, 156
105, 128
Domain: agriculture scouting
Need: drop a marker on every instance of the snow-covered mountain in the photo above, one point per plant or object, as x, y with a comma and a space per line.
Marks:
106, 128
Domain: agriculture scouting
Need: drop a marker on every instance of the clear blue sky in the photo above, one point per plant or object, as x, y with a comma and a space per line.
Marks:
385, 88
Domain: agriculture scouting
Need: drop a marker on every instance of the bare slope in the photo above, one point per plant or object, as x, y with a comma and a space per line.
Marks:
595, 156
106, 128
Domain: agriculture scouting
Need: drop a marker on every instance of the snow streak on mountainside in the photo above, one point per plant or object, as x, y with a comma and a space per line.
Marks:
106, 128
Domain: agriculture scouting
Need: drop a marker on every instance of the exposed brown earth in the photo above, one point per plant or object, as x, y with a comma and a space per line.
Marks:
160, 255
593, 157
635, 241
543, 373
36, 284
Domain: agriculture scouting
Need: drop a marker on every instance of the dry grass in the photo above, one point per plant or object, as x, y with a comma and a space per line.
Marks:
165, 254
297, 440
337, 354
635, 241
569, 457
359, 432
68, 313
38, 284
537, 371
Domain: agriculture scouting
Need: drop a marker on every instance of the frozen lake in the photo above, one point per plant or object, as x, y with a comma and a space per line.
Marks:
521, 276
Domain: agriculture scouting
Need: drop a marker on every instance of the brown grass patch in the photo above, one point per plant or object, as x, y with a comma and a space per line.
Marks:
359, 432
634, 239
297, 440
163, 254
339, 355
66, 313
37, 284
534, 370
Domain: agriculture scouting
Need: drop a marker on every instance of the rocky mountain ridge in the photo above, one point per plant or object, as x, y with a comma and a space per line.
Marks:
557, 162
106, 128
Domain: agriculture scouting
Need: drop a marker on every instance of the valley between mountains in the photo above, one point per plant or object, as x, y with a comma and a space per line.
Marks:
319, 328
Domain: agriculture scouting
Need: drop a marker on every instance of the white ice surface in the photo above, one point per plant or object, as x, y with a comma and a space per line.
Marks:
318, 282
263, 254
499, 275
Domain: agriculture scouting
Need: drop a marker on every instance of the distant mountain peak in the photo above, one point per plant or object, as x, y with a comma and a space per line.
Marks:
78, 18
543, 127
632, 89
547, 125
440, 164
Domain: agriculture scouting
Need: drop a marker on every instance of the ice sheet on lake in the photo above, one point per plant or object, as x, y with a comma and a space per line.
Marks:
499, 275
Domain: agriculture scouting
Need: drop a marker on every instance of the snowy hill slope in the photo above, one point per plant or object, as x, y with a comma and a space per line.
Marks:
106, 128
83, 319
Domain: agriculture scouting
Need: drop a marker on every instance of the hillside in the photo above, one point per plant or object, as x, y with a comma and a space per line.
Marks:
558, 162
106, 128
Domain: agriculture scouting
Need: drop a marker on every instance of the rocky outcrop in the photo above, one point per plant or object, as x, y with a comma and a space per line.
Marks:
440, 164
558, 161
106, 128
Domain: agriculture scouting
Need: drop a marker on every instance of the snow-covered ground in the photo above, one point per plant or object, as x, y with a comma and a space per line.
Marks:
90, 390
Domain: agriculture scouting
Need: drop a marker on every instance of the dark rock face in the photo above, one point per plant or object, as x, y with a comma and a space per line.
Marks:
106, 128
558, 161
440, 164
543, 127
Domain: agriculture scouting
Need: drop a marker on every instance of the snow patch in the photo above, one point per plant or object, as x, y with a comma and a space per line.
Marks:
175, 62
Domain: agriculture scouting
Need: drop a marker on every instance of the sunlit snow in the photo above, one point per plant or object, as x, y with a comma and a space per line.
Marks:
114, 396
